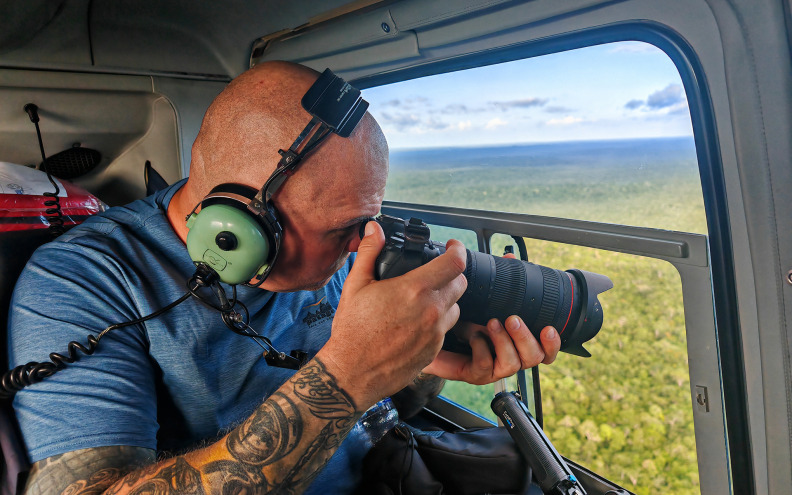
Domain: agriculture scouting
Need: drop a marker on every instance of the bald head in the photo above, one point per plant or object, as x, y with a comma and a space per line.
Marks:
258, 114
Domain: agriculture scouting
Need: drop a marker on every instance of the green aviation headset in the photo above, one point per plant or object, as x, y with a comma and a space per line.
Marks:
237, 233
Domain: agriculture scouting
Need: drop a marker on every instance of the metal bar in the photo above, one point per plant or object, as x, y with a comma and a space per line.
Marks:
676, 247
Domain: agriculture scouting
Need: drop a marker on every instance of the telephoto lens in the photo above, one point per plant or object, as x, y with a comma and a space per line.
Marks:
501, 287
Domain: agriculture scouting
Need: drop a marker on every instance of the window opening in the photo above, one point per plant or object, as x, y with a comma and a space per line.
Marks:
600, 133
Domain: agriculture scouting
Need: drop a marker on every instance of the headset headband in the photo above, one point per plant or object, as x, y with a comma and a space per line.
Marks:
335, 106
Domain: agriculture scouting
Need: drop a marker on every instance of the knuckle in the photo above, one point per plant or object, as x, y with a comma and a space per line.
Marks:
459, 263
513, 367
413, 293
535, 357
431, 315
462, 283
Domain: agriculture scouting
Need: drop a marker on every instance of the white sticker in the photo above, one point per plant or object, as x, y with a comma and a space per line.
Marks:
18, 179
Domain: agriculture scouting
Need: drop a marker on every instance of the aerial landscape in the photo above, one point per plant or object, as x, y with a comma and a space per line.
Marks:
625, 412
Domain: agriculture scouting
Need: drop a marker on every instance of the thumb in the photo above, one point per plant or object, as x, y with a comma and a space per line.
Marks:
362, 272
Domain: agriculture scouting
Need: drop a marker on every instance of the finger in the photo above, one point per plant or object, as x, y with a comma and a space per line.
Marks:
551, 342
529, 349
480, 368
475, 369
448, 318
464, 329
362, 272
448, 365
445, 268
507, 360
509, 255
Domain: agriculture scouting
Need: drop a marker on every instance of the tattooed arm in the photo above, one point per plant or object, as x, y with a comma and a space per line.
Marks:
95, 469
280, 448
411, 399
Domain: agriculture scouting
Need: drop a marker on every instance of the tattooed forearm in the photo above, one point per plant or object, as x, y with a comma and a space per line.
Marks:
280, 448
86, 471
279, 433
318, 389
271, 433
176, 477
411, 399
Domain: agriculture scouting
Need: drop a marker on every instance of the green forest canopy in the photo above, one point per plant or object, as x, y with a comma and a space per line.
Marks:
626, 412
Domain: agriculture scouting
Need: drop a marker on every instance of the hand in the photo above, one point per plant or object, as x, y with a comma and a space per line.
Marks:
514, 346
384, 332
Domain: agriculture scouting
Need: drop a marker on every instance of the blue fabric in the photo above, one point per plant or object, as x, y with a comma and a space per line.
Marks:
166, 384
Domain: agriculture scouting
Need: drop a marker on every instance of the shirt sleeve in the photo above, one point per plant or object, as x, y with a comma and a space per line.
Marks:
67, 292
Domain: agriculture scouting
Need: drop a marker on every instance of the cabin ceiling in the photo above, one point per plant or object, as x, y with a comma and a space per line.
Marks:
182, 36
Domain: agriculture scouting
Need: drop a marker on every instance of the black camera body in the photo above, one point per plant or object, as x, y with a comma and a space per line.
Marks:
501, 287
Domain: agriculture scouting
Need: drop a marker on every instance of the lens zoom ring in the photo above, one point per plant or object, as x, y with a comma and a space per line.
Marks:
549, 298
469, 266
509, 288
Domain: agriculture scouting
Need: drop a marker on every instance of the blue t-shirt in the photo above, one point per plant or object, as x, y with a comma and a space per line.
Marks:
168, 383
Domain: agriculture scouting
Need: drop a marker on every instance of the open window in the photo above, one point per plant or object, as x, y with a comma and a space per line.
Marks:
588, 157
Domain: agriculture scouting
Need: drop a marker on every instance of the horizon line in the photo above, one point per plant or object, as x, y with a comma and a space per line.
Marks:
534, 143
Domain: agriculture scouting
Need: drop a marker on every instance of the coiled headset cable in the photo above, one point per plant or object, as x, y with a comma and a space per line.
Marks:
33, 372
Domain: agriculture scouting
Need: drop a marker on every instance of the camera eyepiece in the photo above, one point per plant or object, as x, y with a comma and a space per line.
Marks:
501, 287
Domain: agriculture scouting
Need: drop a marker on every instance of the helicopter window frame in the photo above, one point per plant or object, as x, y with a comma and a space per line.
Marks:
719, 243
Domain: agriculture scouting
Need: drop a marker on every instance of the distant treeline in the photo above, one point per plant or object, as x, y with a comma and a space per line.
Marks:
626, 412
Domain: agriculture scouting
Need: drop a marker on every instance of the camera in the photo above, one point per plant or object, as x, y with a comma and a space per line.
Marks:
501, 287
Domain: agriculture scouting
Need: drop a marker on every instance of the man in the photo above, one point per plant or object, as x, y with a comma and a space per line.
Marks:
172, 384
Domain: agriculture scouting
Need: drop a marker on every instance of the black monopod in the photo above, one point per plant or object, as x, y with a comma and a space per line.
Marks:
551, 472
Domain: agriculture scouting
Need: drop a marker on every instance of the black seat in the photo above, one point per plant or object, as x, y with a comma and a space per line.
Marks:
15, 250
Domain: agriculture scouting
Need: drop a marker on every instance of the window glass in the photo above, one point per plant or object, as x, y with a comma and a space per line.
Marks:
602, 134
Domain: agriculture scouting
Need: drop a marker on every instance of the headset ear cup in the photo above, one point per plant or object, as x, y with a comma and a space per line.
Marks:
229, 238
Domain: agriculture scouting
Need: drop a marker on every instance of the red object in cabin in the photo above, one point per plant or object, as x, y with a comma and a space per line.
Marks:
21, 211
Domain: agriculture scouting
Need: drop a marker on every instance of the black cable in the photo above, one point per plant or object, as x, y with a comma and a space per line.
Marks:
204, 277
90, 30
54, 212
34, 372
537, 388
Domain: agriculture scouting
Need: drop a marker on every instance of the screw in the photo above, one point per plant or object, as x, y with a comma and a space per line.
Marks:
789, 277
385, 27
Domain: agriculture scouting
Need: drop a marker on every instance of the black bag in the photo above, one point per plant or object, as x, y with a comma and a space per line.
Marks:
415, 462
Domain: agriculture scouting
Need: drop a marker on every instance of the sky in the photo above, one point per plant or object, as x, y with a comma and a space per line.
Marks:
614, 91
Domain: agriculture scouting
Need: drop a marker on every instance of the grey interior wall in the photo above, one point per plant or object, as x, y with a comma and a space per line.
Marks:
190, 99
202, 36
120, 116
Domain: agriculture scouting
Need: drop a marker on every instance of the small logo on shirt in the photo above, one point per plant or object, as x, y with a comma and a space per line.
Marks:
323, 311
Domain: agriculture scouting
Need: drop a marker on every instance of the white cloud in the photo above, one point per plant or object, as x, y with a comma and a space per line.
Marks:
495, 123
568, 120
463, 125
523, 103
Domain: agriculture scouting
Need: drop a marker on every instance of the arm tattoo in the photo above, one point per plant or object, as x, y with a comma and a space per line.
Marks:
411, 399
280, 448
280, 429
178, 477
86, 471
325, 400
271, 433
